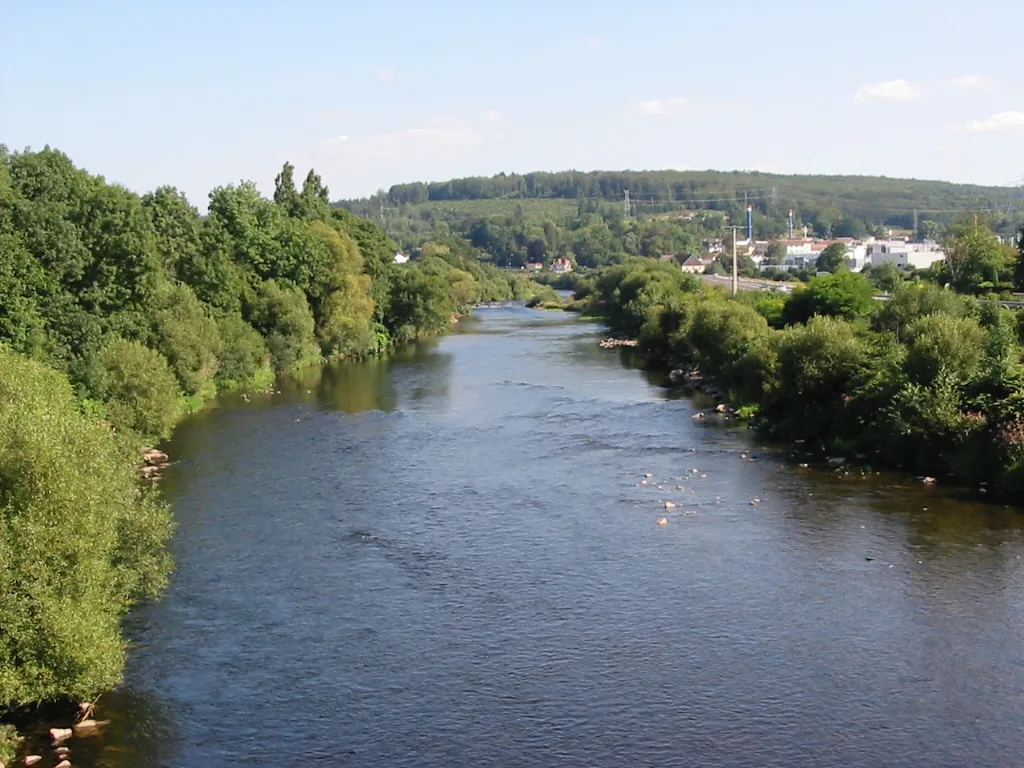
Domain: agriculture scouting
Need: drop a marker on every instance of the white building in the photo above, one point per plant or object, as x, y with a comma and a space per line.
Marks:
904, 254
400, 258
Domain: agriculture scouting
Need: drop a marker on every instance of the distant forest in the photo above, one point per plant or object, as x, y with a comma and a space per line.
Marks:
873, 199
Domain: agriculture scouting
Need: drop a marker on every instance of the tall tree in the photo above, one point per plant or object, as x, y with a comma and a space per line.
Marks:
284, 190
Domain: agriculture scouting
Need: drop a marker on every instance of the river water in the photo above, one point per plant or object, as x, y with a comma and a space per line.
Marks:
452, 558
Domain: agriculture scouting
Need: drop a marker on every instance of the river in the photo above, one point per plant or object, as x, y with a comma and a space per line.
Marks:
454, 558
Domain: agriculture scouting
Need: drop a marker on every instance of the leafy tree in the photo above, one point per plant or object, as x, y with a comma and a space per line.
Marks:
285, 194
927, 229
720, 332
844, 294
283, 316
244, 355
176, 229
775, 253
138, 389
848, 226
832, 259
80, 542
885, 276
1018, 273
186, 334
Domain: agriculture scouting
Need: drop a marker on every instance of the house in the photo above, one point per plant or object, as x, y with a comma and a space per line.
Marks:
535, 266
695, 265
560, 266
714, 245
400, 258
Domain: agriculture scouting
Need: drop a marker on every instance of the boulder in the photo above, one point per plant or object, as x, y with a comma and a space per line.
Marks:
721, 408
89, 727
662, 521
60, 734
669, 505
33, 759
63, 764
928, 480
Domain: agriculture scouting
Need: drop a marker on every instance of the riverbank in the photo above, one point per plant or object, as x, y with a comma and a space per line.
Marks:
929, 383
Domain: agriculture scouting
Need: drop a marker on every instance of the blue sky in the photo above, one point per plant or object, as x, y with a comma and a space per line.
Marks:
375, 93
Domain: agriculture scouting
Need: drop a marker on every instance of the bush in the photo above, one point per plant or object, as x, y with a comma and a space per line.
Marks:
139, 390
80, 543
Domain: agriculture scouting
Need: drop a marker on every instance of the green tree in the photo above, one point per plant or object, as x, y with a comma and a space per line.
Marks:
832, 259
844, 294
775, 253
885, 276
80, 543
285, 194
1018, 272
187, 335
138, 389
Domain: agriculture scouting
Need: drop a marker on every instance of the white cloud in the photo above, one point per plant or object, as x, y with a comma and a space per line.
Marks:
385, 76
896, 90
595, 42
971, 83
1003, 121
439, 134
659, 107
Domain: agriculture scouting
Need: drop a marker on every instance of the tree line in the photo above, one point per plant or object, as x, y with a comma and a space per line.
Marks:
119, 313
823, 202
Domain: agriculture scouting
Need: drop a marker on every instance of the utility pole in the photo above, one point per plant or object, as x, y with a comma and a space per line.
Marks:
735, 269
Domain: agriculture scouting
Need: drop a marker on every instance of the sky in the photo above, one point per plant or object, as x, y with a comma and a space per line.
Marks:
201, 94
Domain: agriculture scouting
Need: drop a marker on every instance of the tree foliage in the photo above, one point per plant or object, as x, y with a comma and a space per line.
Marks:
80, 542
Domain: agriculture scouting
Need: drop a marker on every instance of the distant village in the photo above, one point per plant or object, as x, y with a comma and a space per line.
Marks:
801, 254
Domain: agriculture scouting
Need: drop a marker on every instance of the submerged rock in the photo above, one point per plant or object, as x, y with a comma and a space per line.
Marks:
662, 521
89, 727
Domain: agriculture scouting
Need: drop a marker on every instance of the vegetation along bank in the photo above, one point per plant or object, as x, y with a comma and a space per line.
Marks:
928, 381
118, 315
